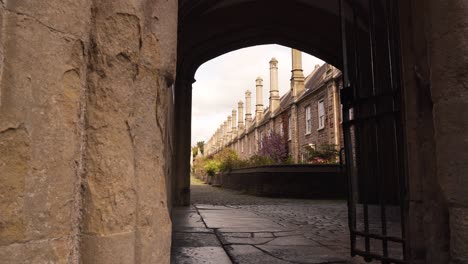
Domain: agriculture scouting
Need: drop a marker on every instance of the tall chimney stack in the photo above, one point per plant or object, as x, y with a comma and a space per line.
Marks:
259, 105
248, 108
240, 110
227, 135
274, 91
297, 76
234, 123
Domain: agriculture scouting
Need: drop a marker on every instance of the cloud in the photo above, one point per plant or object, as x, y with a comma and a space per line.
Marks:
222, 82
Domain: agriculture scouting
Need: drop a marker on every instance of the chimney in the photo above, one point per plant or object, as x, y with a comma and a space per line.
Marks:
240, 110
274, 91
248, 108
229, 129
297, 76
225, 133
259, 105
234, 123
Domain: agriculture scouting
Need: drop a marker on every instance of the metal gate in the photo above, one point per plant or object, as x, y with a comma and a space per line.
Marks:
373, 132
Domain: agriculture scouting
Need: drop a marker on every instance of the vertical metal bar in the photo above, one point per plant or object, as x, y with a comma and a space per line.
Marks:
375, 63
346, 129
393, 35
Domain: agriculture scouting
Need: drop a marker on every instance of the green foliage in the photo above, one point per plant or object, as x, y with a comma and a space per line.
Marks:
258, 160
324, 154
201, 146
195, 151
227, 160
212, 167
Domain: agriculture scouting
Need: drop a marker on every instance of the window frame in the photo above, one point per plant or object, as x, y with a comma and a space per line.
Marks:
321, 113
308, 120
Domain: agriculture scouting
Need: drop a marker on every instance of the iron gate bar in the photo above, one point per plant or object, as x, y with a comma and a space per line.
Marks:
345, 94
380, 181
397, 86
376, 108
380, 237
378, 257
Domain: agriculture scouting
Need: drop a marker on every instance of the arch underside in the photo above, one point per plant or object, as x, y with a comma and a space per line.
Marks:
210, 28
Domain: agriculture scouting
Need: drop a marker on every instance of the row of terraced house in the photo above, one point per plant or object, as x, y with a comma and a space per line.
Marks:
308, 115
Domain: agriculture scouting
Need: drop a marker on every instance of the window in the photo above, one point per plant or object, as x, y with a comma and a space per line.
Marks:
308, 120
281, 132
242, 145
289, 128
261, 140
341, 113
321, 114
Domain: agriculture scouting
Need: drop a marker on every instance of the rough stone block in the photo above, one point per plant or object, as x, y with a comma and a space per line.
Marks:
459, 235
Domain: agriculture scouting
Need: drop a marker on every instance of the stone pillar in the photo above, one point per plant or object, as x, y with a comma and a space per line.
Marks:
449, 89
240, 109
182, 140
274, 91
336, 114
85, 131
248, 108
42, 130
234, 124
295, 134
259, 105
297, 74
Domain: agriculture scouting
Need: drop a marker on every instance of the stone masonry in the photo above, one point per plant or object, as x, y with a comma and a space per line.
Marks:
85, 99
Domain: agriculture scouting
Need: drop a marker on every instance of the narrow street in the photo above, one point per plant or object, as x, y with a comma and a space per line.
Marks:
224, 226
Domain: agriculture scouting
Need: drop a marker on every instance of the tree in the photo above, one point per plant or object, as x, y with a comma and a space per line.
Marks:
195, 151
201, 146
274, 147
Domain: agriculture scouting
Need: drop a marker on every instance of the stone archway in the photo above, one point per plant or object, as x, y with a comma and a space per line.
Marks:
208, 29
84, 177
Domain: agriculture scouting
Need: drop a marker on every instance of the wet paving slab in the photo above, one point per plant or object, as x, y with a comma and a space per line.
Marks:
224, 226
221, 234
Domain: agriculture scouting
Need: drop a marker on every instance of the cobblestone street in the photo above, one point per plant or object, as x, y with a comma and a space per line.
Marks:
224, 226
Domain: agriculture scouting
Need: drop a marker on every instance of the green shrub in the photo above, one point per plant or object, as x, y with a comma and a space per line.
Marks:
324, 154
257, 160
212, 167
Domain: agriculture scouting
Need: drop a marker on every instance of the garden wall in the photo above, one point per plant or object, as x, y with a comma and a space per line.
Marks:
294, 181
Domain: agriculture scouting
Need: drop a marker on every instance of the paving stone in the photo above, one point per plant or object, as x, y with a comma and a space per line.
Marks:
289, 233
237, 234
303, 254
195, 240
262, 234
188, 219
199, 255
292, 241
183, 229
305, 231
245, 240
246, 254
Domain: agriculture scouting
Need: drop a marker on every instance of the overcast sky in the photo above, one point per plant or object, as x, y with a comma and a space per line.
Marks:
221, 83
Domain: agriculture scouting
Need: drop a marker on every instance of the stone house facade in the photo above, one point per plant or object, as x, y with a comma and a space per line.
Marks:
314, 121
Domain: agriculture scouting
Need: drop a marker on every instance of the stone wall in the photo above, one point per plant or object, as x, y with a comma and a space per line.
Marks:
449, 79
85, 132
292, 181
316, 136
